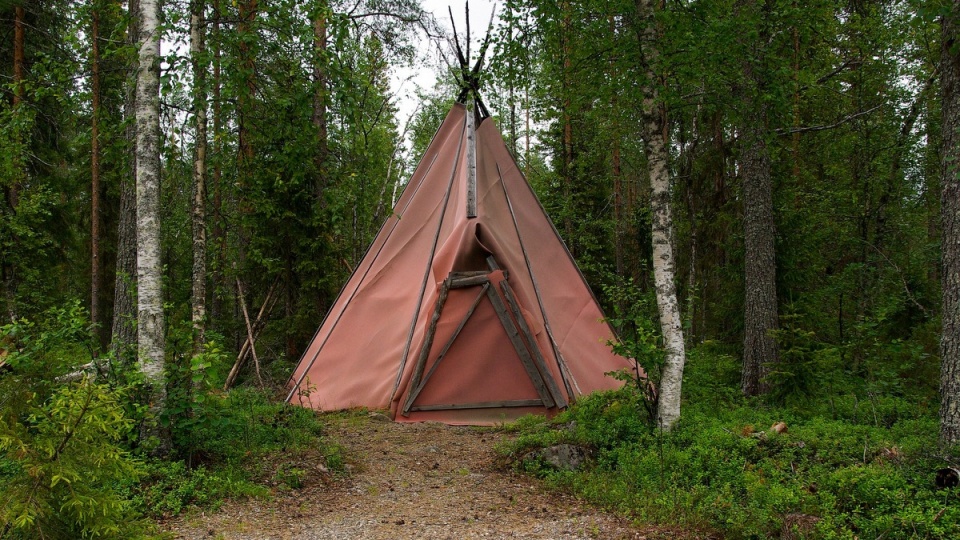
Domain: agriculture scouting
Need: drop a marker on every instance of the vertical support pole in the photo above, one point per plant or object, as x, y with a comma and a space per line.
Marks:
471, 161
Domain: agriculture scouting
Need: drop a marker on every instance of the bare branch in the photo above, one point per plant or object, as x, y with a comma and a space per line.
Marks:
851, 63
825, 127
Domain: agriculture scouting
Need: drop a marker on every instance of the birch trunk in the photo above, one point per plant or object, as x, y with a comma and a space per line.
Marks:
123, 333
219, 235
150, 324
320, 81
950, 222
199, 292
655, 148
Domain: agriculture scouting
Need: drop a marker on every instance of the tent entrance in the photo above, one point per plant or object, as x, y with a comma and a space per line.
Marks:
479, 351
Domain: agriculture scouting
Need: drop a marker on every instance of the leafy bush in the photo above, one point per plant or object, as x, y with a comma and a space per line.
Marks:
62, 444
69, 466
233, 444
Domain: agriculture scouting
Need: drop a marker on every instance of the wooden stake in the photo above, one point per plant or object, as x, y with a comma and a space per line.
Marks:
532, 344
521, 348
427, 343
471, 162
268, 302
250, 339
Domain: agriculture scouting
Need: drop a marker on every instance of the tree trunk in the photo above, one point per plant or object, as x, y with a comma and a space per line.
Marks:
247, 12
199, 292
123, 333
95, 271
760, 349
619, 216
219, 236
150, 323
320, 82
950, 223
567, 131
655, 148
8, 270
18, 89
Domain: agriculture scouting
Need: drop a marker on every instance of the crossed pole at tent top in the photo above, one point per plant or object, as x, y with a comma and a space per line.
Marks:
469, 78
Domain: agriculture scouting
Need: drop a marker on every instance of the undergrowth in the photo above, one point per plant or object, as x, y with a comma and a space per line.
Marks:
71, 462
848, 466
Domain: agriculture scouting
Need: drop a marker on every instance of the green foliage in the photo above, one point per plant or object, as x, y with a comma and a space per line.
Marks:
64, 462
63, 447
864, 471
68, 467
170, 487
235, 445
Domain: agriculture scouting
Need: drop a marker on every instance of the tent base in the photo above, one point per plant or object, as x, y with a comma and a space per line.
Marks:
475, 417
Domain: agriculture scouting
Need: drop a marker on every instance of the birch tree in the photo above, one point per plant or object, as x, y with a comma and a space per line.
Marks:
653, 131
199, 290
150, 324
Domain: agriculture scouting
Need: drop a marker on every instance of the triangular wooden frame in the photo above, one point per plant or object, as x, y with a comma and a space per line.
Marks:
518, 332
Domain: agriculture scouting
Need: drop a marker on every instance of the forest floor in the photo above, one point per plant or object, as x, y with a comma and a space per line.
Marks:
412, 481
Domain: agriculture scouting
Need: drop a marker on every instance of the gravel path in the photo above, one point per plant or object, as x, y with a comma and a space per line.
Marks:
413, 481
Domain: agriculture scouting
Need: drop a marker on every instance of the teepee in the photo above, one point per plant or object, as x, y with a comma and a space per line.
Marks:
467, 308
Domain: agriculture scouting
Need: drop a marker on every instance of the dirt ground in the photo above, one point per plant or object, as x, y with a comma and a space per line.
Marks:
412, 481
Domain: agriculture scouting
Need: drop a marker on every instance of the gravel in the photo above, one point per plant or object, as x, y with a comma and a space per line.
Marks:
412, 481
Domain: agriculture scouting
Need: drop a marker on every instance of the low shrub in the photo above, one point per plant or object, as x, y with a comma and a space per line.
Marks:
63, 440
723, 469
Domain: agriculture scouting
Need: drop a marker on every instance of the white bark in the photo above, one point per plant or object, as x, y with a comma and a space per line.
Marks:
199, 293
655, 147
150, 331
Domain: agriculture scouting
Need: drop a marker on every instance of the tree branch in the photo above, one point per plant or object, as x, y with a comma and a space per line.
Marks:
825, 127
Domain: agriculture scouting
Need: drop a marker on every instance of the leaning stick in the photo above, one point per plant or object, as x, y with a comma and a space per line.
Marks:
259, 323
246, 318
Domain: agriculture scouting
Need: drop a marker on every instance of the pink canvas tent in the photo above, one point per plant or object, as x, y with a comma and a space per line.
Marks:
467, 308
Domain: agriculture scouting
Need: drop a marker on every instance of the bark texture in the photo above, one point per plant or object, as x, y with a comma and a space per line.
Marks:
219, 235
760, 349
248, 12
655, 148
95, 270
13, 191
320, 81
123, 332
150, 323
950, 222
199, 293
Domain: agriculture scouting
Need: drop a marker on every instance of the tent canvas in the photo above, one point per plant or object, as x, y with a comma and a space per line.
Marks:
467, 308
